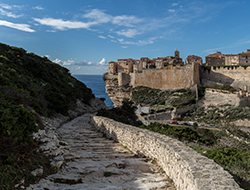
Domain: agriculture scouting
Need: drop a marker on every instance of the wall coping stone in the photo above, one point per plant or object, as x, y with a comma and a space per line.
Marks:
188, 169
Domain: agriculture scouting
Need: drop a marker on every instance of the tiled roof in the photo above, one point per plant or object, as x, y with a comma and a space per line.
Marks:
231, 55
244, 53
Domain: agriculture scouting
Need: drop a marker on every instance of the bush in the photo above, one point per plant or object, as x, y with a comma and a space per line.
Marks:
18, 123
228, 156
125, 114
181, 133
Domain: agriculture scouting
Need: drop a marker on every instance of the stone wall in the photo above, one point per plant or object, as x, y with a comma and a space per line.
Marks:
123, 79
179, 111
188, 169
172, 77
237, 77
160, 116
214, 97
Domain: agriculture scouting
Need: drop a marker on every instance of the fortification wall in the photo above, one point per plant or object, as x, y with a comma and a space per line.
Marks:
188, 169
237, 77
173, 77
123, 79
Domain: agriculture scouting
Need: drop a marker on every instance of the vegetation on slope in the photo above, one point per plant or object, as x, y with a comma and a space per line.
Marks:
125, 114
152, 97
30, 85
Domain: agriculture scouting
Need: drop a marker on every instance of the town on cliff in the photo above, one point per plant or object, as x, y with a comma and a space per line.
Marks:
168, 73
130, 65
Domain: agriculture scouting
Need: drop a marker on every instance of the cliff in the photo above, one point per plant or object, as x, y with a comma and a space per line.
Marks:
115, 92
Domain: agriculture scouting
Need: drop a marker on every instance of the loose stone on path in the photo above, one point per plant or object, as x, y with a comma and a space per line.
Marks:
92, 162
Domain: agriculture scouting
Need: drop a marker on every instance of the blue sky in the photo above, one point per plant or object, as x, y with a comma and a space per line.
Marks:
84, 35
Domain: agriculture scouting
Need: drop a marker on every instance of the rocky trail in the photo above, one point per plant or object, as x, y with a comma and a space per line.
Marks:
88, 160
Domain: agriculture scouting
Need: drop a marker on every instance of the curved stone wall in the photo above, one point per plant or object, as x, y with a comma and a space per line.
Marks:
188, 169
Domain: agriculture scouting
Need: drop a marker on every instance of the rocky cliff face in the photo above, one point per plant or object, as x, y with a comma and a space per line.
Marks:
115, 92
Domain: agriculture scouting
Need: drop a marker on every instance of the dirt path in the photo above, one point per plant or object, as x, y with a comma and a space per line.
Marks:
93, 162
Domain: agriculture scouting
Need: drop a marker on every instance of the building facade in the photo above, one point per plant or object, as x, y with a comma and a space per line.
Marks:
193, 59
112, 70
231, 59
215, 59
244, 58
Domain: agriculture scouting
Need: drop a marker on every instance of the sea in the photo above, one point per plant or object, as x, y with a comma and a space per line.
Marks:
97, 85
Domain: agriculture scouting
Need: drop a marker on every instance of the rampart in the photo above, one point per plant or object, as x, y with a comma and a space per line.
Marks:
172, 77
237, 77
123, 79
188, 169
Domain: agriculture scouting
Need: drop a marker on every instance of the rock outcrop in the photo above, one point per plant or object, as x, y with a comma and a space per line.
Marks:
117, 93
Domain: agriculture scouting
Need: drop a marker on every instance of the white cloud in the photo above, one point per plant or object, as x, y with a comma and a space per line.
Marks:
9, 14
171, 10
103, 37
98, 15
72, 63
38, 8
124, 20
9, 7
128, 33
48, 56
175, 4
51, 31
103, 62
111, 36
121, 40
22, 27
139, 42
58, 61
64, 63
63, 25
124, 47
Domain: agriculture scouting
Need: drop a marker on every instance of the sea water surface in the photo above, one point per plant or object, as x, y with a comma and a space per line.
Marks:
97, 85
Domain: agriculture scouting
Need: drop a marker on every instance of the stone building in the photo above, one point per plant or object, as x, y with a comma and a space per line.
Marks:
145, 62
231, 59
244, 58
193, 59
112, 70
131, 65
125, 65
175, 59
215, 59
137, 68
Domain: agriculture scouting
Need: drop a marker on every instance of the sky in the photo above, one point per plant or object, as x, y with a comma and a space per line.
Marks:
84, 35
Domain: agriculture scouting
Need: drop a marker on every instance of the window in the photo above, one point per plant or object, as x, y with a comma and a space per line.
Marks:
246, 61
246, 57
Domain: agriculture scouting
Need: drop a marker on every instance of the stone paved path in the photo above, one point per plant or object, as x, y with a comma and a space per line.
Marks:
93, 162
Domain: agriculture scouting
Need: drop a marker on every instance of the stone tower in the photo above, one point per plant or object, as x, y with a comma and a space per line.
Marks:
177, 54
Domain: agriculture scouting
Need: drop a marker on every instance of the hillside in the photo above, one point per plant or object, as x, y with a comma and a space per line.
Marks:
30, 86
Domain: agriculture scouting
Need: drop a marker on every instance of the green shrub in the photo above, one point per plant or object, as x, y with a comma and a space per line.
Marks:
125, 114
18, 123
181, 133
228, 157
